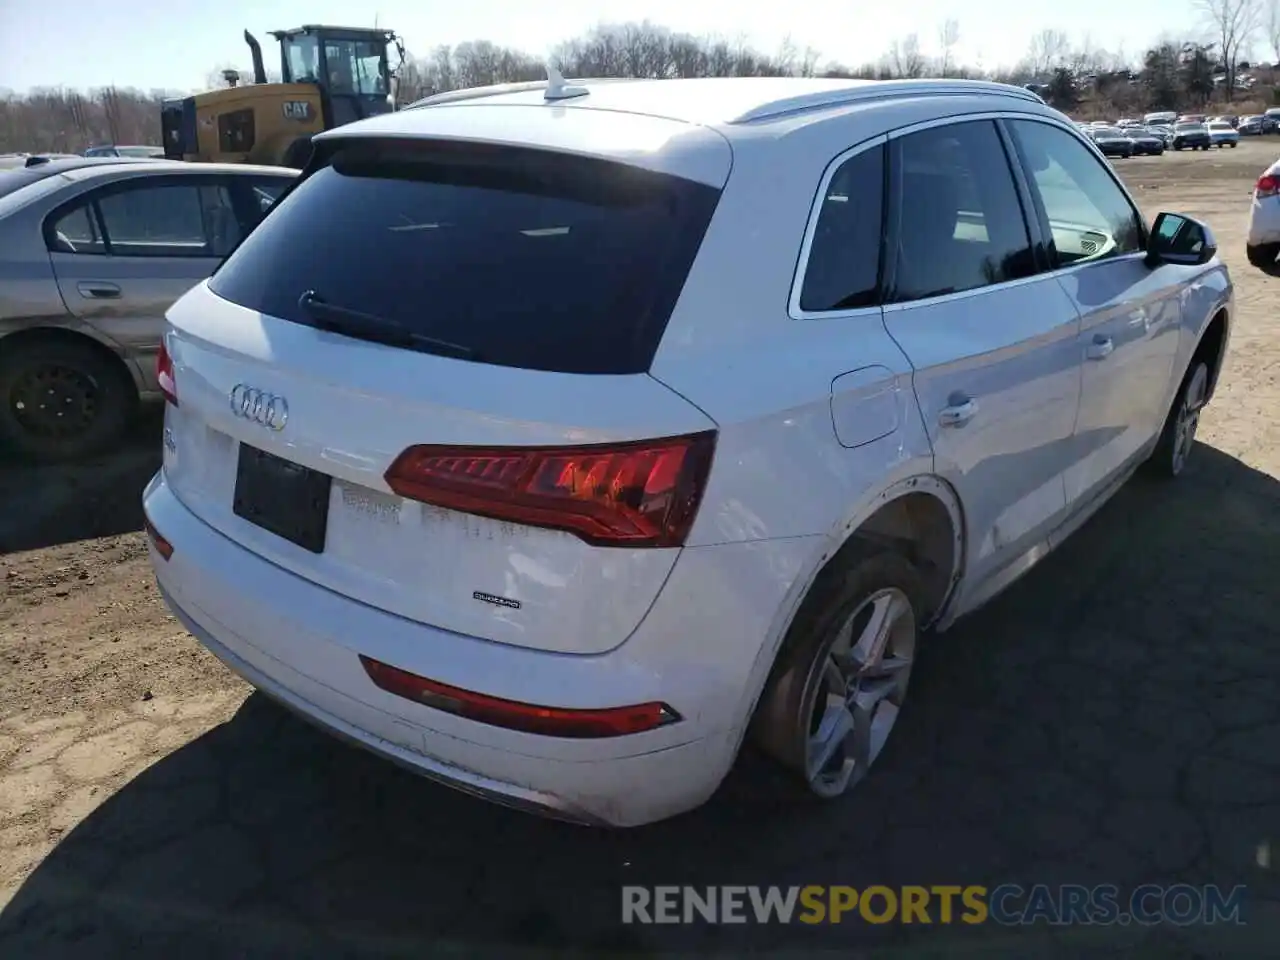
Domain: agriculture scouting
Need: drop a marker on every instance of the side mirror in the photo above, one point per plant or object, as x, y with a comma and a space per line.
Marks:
1181, 240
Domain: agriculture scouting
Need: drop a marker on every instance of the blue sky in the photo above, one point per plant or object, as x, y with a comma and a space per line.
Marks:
175, 44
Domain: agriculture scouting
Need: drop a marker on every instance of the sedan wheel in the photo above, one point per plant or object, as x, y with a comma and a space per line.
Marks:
61, 400
842, 677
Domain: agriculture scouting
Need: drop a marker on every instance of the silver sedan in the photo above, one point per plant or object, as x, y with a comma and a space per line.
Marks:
94, 253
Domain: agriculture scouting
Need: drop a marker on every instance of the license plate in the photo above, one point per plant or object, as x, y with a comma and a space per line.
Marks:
288, 499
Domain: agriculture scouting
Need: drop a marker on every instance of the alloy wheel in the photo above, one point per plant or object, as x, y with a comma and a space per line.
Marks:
1187, 420
855, 690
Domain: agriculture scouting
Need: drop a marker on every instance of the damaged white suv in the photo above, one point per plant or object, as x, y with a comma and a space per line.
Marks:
556, 440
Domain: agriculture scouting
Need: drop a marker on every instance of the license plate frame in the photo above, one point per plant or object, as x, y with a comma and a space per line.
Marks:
282, 497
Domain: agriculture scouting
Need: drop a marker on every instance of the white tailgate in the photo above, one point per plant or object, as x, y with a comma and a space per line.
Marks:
352, 408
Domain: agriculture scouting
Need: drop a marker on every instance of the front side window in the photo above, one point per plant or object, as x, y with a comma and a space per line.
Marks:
961, 224
842, 272
1089, 216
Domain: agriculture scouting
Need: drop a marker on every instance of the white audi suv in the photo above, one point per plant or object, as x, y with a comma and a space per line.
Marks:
557, 440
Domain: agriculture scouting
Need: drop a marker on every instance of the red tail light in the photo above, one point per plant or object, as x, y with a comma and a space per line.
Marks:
1268, 186
164, 374
497, 712
640, 494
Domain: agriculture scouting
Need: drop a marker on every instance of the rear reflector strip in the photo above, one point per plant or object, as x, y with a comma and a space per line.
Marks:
163, 546
548, 721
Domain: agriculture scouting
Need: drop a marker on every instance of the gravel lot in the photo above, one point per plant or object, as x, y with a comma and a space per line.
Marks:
1115, 718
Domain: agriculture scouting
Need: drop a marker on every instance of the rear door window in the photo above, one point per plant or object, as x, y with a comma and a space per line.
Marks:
520, 257
193, 217
961, 223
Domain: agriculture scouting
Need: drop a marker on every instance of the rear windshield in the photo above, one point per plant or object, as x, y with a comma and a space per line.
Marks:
26, 191
516, 257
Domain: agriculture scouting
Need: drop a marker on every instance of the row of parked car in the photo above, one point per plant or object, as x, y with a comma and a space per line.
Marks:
1135, 140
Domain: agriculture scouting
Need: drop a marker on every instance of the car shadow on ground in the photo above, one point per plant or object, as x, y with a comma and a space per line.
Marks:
48, 505
1112, 719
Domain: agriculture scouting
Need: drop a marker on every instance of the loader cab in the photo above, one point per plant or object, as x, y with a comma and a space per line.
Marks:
350, 66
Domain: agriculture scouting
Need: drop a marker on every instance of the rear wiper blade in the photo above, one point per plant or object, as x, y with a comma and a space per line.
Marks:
368, 326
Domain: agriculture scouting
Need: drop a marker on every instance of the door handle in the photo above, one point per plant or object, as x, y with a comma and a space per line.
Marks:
1100, 349
98, 290
958, 413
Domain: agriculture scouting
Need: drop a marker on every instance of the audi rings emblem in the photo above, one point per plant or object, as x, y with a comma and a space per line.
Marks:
258, 406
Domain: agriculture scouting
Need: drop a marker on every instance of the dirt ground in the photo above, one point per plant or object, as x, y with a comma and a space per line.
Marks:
146, 805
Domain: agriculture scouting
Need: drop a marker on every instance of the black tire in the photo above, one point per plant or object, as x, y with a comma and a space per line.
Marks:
1174, 447
298, 155
1178, 147
1232, 145
783, 721
96, 396
1264, 255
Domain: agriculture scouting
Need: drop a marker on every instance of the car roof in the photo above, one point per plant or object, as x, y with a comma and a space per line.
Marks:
718, 100
116, 164
14, 178
686, 127
78, 169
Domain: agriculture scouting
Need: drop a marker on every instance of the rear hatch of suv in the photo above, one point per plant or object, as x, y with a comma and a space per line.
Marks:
422, 383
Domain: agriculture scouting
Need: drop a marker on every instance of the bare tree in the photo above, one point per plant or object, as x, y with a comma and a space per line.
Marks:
1048, 49
1234, 23
1273, 27
905, 59
948, 37
1098, 81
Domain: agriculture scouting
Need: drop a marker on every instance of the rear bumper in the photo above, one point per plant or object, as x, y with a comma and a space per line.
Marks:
299, 643
507, 794
1264, 222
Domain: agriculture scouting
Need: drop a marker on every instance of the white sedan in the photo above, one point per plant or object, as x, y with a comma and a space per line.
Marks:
1263, 244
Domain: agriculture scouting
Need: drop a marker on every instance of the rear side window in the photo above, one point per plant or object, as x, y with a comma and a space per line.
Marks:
516, 257
265, 193
843, 269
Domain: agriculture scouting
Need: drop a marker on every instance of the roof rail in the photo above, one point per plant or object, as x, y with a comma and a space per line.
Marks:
497, 89
865, 90
475, 93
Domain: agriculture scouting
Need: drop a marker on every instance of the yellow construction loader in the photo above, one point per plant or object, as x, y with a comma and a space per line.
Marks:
330, 76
